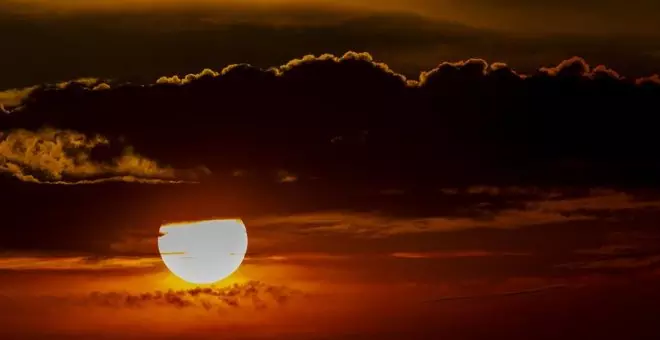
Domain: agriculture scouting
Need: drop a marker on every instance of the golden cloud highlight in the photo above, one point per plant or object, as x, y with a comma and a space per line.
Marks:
13, 97
577, 64
51, 156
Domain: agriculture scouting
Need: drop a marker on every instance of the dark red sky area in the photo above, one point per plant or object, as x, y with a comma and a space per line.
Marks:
476, 200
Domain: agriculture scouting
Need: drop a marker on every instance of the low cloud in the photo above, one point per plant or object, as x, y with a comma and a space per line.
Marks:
537, 212
286, 257
451, 255
51, 156
118, 313
535, 290
612, 249
284, 176
76, 263
489, 190
252, 293
623, 262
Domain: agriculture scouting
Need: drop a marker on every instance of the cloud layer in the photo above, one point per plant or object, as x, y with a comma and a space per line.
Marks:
252, 294
321, 117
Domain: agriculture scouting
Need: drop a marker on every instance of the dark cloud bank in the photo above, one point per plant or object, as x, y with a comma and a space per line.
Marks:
351, 120
318, 134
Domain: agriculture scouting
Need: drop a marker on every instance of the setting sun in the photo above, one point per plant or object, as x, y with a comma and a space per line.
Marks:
203, 252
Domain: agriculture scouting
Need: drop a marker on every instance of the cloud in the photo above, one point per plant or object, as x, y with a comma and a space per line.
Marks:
472, 115
50, 156
450, 255
279, 70
76, 263
612, 249
623, 250
536, 290
533, 212
378, 225
578, 66
623, 262
14, 97
218, 303
574, 66
284, 176
192, 76
136, 244
251, 294
297, 257
650, 80
508, 191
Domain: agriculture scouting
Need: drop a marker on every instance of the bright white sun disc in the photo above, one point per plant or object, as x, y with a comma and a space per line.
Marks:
203, 252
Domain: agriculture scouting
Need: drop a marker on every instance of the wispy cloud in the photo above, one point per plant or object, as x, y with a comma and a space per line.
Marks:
498, 191
31, 263
612, 249
296, 257
533, 212
284, 176
535, 290
449, 255
623, 262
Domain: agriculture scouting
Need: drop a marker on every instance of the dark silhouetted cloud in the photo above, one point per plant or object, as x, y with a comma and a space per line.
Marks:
460, 122
77, 263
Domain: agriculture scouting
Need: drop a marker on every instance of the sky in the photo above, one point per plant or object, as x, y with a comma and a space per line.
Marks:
142, 40
404, 169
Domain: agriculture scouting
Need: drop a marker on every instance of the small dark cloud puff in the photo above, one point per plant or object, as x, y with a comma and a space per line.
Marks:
345, 119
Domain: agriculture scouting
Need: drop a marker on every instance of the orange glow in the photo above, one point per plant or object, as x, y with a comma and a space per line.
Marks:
203, 252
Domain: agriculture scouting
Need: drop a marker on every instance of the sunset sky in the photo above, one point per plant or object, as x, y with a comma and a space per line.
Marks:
412, 169
54, 41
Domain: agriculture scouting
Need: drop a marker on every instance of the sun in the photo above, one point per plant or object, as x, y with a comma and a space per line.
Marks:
203, 252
